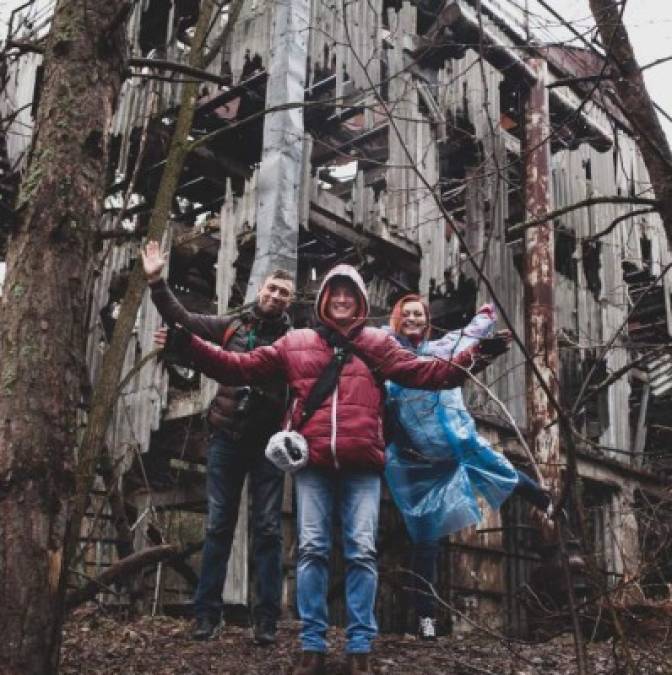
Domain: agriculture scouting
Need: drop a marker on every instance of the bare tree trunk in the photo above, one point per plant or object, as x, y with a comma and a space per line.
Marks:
42, 322
636, 104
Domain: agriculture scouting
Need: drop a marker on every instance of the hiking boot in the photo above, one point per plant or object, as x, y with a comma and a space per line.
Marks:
264, 633
310, 663
206, 628
358, 664
426, 628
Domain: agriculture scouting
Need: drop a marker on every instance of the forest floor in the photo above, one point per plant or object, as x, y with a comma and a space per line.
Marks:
98, 642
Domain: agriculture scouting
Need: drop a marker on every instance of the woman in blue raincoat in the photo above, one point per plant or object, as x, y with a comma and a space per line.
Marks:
437, 463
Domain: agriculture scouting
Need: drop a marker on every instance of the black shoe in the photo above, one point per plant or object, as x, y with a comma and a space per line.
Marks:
206, 628
264, 633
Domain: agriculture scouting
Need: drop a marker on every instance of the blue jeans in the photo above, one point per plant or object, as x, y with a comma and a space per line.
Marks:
355, 497
228, 464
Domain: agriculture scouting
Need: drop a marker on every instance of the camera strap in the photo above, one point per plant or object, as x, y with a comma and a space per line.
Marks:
328, 379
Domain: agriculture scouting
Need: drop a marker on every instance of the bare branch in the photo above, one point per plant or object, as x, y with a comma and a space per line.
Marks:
616, 221
25, 47
657, 62
121, 569
185, 69
591, 201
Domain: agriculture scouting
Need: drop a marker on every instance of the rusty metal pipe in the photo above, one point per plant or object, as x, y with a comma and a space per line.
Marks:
540, 334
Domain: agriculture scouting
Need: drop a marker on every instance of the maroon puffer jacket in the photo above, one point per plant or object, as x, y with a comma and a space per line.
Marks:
346, 432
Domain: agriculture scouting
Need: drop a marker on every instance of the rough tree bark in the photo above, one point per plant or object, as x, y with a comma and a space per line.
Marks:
636, 104
42, 322
107, 387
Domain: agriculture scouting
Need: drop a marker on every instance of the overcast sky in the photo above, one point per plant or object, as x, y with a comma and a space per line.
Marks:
649, 24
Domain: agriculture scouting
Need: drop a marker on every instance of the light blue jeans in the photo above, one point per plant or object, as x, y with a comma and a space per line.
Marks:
355, 497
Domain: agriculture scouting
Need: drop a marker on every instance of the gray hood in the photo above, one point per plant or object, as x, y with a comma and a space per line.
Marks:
348, 272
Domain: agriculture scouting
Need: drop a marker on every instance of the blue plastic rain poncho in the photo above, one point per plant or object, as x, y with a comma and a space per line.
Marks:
437, 463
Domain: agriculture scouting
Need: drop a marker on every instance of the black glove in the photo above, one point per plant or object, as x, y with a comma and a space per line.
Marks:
177, 350
494, 346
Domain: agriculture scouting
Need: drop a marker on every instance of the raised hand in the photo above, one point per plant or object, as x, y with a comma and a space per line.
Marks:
153, 261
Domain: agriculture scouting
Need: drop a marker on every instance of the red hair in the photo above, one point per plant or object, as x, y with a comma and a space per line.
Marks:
395, 316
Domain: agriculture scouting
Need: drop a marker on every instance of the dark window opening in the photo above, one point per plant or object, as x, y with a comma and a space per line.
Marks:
570, 369
457, 153
565, 248
451, 306
384, 75
647, 252
154, 27
513, 172
596, 404
511, 112
591, 252
155, 33
428, 12
37, 90
598, 504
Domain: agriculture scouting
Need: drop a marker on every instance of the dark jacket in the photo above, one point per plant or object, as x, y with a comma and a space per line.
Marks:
252, 415
346, 431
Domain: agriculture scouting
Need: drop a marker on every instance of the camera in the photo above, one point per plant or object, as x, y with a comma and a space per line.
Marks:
244, 396
175, 351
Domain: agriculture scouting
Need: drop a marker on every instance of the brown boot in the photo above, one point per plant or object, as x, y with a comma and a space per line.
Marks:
310, 663
358, 664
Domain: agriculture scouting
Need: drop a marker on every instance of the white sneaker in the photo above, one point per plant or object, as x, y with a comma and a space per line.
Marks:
427, 628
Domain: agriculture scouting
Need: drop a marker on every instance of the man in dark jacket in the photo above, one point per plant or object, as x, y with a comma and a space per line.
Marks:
242, 419
346, 445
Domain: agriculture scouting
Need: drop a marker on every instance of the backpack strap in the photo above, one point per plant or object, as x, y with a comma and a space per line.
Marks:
230, 331
336, 339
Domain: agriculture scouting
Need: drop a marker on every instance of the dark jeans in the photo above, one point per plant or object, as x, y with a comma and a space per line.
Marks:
423, 564
531, 491
228, 464
425, 553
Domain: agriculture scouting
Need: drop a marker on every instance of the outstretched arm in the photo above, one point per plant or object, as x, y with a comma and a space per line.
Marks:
456, 341
255, 367
395, 363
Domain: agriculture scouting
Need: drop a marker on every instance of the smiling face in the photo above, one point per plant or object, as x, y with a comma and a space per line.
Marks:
343, 302
275, 296
413, 321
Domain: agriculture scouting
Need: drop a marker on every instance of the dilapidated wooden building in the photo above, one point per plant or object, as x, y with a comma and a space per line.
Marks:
411, 139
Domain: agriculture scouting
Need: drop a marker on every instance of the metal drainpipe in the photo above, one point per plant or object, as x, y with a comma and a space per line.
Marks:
540, 333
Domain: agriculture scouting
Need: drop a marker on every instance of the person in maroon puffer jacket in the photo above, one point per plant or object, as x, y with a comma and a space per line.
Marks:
346, 445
